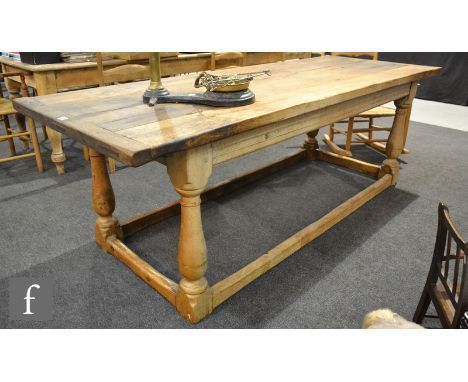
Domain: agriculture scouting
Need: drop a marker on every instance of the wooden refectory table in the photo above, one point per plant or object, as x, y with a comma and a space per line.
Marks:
299, 98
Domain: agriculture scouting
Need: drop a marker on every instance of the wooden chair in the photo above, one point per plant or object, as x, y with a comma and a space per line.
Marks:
447, 281
122, 73
226, 60
363, 135
7, 109
372, 55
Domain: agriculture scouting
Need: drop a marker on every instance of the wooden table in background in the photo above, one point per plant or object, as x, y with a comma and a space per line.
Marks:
299, 98
54, 78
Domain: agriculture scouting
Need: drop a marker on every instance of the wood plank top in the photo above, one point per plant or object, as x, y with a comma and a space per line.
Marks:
114, 121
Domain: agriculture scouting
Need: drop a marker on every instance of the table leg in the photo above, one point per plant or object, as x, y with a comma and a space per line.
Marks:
397, 137
311, 145
58, 157
405, 150
103, 201
46, 84
189, 172
44, 131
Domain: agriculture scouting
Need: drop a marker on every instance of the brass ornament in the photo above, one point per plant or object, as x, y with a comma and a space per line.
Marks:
225, 90
227, 82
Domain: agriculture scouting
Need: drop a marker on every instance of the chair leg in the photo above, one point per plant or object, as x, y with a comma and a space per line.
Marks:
332, 146
111, 165
86, 152
11, 143
331, 134
349, 134
44, 128
22, 128
423, 305
371, 126
35, 142
44, 131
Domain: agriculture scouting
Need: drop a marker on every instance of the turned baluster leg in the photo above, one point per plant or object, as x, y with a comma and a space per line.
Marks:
189, 172
58, 157
396, 139
46, 83
103, 201
311, 145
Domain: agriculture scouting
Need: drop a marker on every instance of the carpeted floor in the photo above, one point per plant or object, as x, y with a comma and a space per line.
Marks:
377, 257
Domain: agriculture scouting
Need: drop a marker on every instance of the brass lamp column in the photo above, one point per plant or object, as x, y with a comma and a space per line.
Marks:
155, 89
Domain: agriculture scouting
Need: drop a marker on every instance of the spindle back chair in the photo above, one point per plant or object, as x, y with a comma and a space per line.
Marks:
362, 134
26, 136
447, 281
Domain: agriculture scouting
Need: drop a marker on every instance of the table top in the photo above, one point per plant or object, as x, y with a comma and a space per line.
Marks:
79, 65
114, 120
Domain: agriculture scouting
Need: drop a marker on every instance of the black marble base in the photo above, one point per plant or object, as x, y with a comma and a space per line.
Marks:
240, 98
150, 95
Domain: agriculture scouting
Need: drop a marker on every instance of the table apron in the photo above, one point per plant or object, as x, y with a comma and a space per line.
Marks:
262, 137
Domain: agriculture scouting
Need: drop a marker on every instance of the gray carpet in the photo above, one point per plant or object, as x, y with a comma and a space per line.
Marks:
377, 257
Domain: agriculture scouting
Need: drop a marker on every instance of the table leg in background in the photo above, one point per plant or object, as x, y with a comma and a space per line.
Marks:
397, 137
58, 157
46, 84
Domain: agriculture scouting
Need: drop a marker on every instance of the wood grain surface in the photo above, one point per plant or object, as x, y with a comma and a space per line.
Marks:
114, 121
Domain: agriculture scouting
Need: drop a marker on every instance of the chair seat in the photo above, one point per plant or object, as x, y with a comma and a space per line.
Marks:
6, 107
379, 111
376, 112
